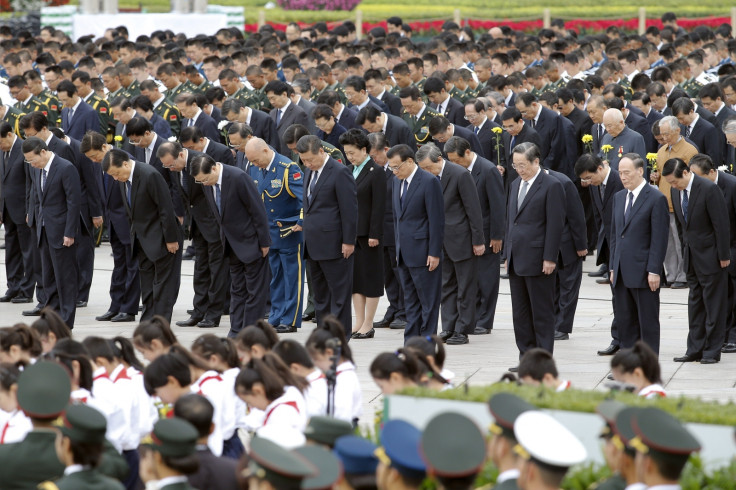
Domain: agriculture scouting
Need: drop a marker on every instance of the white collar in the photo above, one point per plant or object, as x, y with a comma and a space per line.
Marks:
170, 480
472, 162
508, 475
75, 468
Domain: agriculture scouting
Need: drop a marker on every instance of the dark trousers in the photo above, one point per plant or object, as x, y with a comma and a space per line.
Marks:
125, 282
422, 295
309, 307
489, 273
707, 313
591, 227
248, 292
392, 285
41, 295
566, 295
533, 302
210, 278
459, 295
333, 288
731, 300
19, 258
615, 335
60, 278
133, 482
86, 261
287, 286
160, 281
637, 315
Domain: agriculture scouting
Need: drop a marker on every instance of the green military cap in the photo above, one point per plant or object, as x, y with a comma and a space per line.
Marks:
609, 409
453, 446
326, 430
278, 466
43, 390
505, 408
624, 432
82, 423
174, 437
328, 467
659, 433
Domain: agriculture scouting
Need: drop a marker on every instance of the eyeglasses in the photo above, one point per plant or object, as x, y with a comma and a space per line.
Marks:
396, 169
519, 166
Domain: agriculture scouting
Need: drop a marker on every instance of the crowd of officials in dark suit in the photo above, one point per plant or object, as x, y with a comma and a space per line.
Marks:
372, 166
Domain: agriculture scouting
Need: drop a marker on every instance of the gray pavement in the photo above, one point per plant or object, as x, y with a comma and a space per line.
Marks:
483, 361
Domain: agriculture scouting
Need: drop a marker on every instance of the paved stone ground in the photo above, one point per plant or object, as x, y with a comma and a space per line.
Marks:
483, 361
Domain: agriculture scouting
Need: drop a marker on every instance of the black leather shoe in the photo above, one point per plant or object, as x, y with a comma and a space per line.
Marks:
123, 317
445, 335
81, 304
187, 256
191, 322
708, 360
207, 324
481, 331
285, 329
728, 348
687, 358
7, 298
308, 317
398, 325
385, 323
189, 312
561, 335
21, 299
367, 335
34, 312
679, 285
457, 339
605, 280
602, 271
609, 351
514, 369
107, 316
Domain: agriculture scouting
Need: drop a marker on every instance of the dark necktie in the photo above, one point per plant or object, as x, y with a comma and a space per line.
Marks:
522, 194
218, 198
404, 188
628, 207
684, 204
687, 131
43, 179
264, 173
278, 117
600, 133
603, 191
127, 192
476, 129
185, 181
513, 141
533, 123
312, 185
71, 115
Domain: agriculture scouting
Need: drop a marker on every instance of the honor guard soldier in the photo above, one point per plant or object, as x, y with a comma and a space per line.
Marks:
626, 463
399, 463
162, 106
171, 455
12, 116
328, 467
272, 467
454, 450
45, 96
80, 446
43, 394
326, 431
505, 408
359, 462
416, 114
548, 448
279, 182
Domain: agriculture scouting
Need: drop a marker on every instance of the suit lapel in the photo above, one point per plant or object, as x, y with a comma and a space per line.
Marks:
476, 173
638, 204
692, 198
364, 173
286, 115
50, 177
416, 182
323, 173
532, 190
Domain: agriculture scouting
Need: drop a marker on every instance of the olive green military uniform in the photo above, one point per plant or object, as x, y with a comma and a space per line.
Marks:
33, 105
134, 88
616, 482
328, 148
244, 95
102, 108
626, 84
420, 127
88, 479
455, 93
481, 86
201, 88
169, 113
692, 87
12, 117
259, 101
52, 102
336, 87
173, 93
394, 90
549, 87
118, 93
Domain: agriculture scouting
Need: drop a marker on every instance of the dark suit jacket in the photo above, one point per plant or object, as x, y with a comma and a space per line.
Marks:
126, 145
265, 128
243, 221
574, 235
293, 115
139, 155
206, 124
551, 137
705, 114
347, 118
463, 217
160, 126
398, 132
14, 174
487, 140
220, 153
596, 140
192, 195
331, 215
727, 184
708, 140
455, 112
466, 134
393, 103
603, 209
379, 103
153, 222
58, 205
638, 244
90, 200
371, 190
534, 231
570, 147
583, 125
216, 114
60, 149
642, 126
489, 184
706, 234
419, 219
308, 106
85, 119
214, 473
527, 134
389, 238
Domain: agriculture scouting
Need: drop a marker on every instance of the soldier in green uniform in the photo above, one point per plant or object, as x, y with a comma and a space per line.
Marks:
162, 106
322, 80
416, 114
12, 116
613, 447
170, 454
79, 445
128, 81
505, 408
326, 430
198, 83
168, 75
83, 83
628, 91
45, 96
234, 88
27, 103
43, 394
273, 467
111, 81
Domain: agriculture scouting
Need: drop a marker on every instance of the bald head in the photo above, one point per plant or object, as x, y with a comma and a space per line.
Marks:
495, 32
258, 152
614, 121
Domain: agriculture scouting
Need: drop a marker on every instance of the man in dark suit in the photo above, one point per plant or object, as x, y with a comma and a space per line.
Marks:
442, 130
702, 166
643, 102
638, 244
483, 127
14, 173
192, 139
516, 131
56, 207
77, 117
706, 138
595, 109
210, 280
397, 132
489, 186
125, 282
711, 96
330, 227
284, 112
155, 232
580, 119
445, 105
419, 223
194, 116
463, 242
374, 84
550, 128
345, 116
238, 135
234, 199
261, 124
299, 95
534, 225
603, 183
355, 91
395, 316
702, 222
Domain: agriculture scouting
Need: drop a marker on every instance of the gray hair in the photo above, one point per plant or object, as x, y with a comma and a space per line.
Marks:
529, 150
729, 125
500, 99
670, 122
430, 151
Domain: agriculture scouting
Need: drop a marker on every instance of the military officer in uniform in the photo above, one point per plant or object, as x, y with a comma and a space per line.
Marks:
400, 463
12, 116
505, 408
416, 114
162, 106
79, 446
272, 467
279, 182
171, 454
26, 101
45, 96
613, 446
